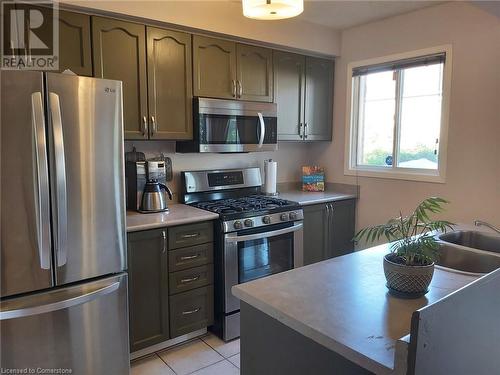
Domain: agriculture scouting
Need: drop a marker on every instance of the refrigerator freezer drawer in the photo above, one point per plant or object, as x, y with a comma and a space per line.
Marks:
83, 328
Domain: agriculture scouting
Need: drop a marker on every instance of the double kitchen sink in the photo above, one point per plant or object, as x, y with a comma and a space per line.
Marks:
469, 251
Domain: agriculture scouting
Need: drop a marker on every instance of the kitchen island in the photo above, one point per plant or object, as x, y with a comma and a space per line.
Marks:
333, 315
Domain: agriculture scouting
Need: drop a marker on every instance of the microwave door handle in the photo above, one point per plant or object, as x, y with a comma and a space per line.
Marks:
60, 182
235, 238
42, 205
262, 129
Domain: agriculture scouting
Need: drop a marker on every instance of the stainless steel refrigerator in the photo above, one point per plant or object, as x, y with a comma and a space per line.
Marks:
63, 252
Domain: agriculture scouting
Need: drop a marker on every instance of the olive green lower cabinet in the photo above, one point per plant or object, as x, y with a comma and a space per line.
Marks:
170, 283
328, 230
148, 288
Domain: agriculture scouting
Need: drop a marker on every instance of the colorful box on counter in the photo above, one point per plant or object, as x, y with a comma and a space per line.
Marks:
313, 178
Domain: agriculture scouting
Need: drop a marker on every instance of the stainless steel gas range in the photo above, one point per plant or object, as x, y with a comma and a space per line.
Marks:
255, 236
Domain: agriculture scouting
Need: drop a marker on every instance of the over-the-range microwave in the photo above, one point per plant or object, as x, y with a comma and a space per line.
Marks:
232, 126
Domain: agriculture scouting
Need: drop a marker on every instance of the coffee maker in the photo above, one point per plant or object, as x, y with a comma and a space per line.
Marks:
138, 175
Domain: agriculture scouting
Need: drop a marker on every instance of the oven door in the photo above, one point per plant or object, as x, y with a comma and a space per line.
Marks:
254, 253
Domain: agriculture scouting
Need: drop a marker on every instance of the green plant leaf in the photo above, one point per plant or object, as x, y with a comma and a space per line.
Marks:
411, 235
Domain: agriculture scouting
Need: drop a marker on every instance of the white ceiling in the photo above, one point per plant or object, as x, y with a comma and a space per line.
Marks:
344, 14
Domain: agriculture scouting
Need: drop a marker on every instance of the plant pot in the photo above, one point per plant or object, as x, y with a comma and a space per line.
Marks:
407, 281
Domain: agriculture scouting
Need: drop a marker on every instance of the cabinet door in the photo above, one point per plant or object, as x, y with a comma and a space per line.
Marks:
289, 83
74, 43
170, 87
119, 50
342, 224
214, 64
318, 99
315, 233
254, 66
148, 288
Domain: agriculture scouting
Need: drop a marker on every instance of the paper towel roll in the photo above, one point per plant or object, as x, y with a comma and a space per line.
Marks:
270, 176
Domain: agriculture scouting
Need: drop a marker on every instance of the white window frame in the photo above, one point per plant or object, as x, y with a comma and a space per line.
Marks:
351, 135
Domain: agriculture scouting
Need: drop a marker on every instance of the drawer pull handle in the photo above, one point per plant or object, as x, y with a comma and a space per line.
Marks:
190, 279
189, 257
190, 235
189, 312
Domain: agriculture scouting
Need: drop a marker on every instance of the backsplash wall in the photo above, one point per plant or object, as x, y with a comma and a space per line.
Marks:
290, 157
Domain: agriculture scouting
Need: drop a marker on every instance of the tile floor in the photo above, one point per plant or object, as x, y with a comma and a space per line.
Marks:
207, 355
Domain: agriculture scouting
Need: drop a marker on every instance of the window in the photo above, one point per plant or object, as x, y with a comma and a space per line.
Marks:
398, 121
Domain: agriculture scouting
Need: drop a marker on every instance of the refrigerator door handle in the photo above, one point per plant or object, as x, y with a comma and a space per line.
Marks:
60, 182
42, 205
63, 302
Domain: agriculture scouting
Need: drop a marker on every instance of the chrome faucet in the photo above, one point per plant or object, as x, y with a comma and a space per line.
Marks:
479, 223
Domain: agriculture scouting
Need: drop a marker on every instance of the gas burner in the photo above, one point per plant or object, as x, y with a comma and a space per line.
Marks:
246, 206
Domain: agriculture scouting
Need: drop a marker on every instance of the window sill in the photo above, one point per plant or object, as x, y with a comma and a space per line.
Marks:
411, 175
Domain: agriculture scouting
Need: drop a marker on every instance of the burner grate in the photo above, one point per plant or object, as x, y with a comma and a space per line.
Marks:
245, 204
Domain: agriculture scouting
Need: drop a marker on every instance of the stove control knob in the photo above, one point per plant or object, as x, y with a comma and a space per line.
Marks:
293, 215
266, 220
237, 225
284, 217
248, 223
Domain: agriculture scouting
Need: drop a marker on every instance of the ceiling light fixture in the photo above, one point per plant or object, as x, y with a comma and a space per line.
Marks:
272, 9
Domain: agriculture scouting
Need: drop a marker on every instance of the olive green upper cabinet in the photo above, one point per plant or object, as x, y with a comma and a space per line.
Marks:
74, 38
119, 51
254, 73
170, 88
303, 90
74, 43
289, 83
318, 99
214, 63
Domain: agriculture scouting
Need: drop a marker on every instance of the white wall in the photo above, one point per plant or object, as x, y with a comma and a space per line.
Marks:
226, 17
290, 158
473, 173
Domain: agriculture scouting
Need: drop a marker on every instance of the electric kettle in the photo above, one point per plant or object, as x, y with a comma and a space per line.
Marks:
153, 197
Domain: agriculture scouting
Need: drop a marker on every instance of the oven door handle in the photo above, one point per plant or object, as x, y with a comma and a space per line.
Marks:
233, 237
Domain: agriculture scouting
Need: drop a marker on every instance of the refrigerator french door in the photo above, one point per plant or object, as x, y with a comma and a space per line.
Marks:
63, 252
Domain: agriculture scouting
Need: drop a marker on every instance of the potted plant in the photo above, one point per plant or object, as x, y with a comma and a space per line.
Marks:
409, 266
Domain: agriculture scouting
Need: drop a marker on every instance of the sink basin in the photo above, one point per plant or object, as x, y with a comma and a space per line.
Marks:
473, 239
467, 259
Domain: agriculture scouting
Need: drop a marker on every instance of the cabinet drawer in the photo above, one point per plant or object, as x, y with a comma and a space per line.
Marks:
182, 281
189, 257
189, 235
191, 311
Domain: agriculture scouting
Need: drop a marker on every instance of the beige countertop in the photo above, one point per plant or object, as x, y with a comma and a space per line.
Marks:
343, 304
178, 214
333, 192
307, 198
